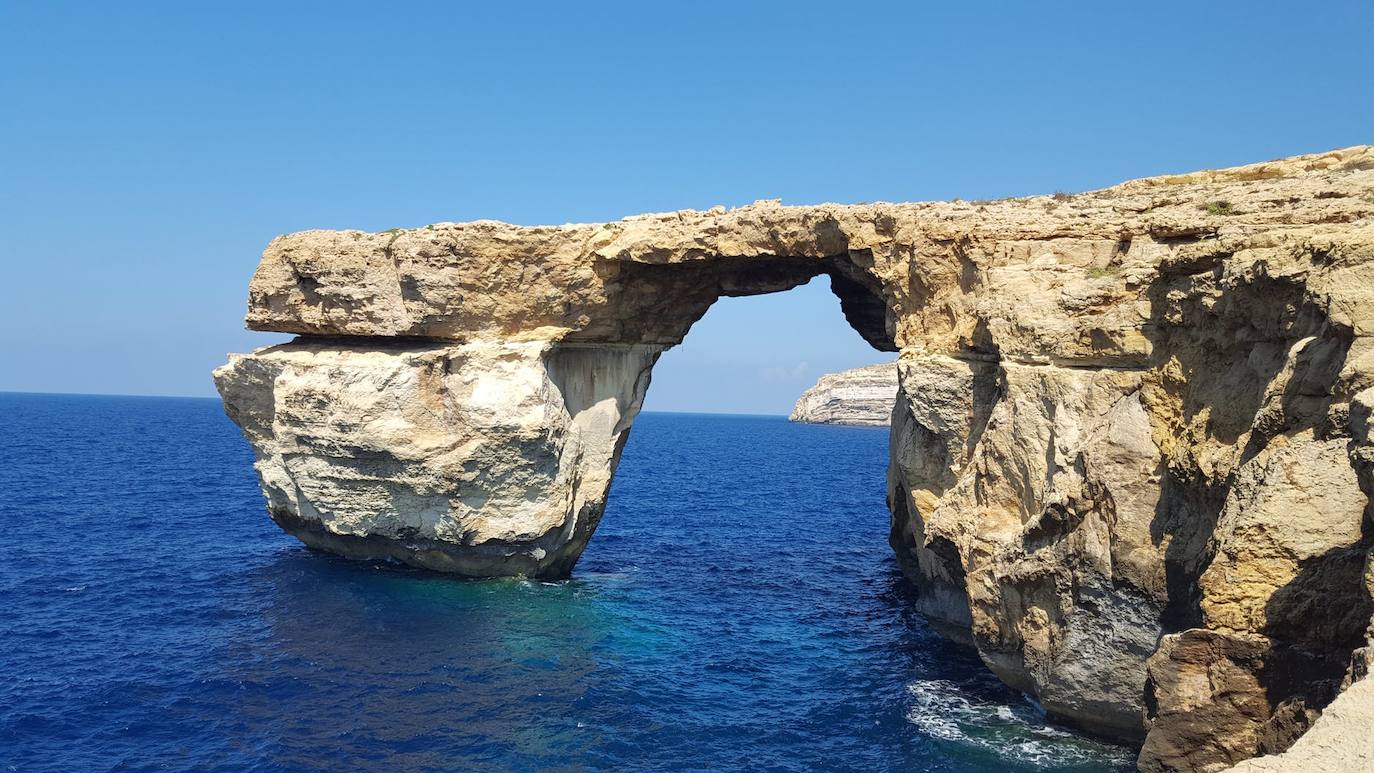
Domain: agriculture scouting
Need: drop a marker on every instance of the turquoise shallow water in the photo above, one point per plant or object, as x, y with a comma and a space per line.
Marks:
738, 609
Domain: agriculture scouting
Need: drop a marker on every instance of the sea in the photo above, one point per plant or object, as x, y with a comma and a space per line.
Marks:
738, 609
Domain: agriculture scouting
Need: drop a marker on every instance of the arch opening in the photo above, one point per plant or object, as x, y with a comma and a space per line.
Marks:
757, 354
658, 302
606, 384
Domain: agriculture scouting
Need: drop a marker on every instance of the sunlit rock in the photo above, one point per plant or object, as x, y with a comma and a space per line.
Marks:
1131, 446
858, 396
484, 459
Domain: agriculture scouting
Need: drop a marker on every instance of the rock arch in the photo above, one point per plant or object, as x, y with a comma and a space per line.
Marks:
459, 394
1132, 440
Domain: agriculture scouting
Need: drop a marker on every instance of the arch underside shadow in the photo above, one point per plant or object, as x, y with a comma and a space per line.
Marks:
658, 303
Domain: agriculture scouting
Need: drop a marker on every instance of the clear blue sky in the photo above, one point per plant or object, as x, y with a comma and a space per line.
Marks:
148, 151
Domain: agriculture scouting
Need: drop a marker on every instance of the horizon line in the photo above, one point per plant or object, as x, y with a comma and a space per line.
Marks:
217, 398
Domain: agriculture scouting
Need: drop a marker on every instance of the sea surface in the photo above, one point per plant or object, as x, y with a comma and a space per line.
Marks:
739, 609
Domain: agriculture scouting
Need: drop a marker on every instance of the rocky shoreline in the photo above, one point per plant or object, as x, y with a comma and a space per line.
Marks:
1131, 451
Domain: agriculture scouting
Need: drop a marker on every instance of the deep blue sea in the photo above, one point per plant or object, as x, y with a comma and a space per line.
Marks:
739, 609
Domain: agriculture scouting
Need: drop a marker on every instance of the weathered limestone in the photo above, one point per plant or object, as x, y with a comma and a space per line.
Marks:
858, 396
1338, 742
481, 458
1023, 508
1131, 456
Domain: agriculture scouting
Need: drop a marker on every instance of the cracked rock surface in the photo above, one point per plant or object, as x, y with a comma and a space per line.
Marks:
1131, 454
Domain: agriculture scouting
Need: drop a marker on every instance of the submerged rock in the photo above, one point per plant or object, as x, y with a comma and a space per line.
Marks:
858, 396
1131, 453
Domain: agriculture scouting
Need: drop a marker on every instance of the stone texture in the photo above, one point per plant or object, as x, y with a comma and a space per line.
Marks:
1338, 742
858, 396
485, 459
1219, 698
1131, 456
1023, 508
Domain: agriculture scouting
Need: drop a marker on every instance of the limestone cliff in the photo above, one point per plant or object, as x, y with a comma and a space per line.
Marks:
858, 396
1131, 455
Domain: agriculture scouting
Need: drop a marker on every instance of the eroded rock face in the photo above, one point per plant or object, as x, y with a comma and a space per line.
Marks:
858, 396
1023, 498
1339, 740
484, 459
1131, 456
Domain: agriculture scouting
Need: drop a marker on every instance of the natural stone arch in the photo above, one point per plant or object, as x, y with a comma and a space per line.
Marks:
530, 493
1121, 422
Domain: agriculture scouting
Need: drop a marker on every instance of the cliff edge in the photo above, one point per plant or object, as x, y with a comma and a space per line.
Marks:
858, 396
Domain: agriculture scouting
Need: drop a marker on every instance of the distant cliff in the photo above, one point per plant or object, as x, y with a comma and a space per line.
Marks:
861, 396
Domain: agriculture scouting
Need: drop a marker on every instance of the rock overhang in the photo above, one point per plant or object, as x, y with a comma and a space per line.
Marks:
935, 277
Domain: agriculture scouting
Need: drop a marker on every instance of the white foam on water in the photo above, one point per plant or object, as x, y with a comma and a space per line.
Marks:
946, 711
620, 576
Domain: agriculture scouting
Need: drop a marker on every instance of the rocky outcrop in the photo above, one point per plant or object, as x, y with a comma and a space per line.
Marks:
481, 458
1339, 741
1131, 459
858, 396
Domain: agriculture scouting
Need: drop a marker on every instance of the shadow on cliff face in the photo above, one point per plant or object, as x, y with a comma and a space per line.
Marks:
1186, 516
1315, 623
1243, 356
659, 302
1237, 352
1326, 607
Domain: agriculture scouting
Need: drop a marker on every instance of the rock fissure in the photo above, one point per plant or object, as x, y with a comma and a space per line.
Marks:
1130, 455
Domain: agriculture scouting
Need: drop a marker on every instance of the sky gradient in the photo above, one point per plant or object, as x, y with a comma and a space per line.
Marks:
148, 152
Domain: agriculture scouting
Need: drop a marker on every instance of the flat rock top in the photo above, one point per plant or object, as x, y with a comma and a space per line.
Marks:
645, 279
